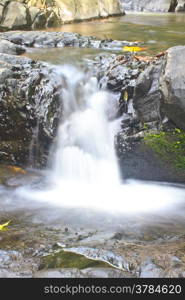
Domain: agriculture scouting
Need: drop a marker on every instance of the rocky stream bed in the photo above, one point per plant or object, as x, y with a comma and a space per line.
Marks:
50, 242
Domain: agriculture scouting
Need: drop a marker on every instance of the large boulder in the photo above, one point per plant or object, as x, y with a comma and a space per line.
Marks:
147, 95
1, 11
172, 86
147, 5
180, 6
73, 10
30, 108
157, 5
15, 16
160, 89
33, 14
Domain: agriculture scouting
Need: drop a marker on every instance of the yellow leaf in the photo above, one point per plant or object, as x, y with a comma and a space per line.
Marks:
133, 49
17, 170
3, 226
125, 96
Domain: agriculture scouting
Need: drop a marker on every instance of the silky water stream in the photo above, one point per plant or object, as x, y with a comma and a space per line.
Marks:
82, 204
85, 172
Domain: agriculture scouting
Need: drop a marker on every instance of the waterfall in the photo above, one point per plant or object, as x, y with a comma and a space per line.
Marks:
85, 150
84, 172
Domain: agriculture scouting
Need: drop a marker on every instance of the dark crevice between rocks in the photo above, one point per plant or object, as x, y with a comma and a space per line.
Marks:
173, 5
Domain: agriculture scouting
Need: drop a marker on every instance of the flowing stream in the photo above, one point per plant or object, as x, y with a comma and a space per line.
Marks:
82, 200
81, 204
85, 171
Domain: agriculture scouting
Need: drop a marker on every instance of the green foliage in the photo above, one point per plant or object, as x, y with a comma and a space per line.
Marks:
170, 146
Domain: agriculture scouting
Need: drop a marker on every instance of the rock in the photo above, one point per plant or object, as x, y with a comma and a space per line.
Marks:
40, 21
8, 274
15, 16
59, 273
52, 20
150, 5
172, 86
10, 48
30, 105
118, 73
150, 270
32, 14
1, 11
43, 39
180, 6
85, 273
160, 89
137, 161
101, 255
147, 96
29, 108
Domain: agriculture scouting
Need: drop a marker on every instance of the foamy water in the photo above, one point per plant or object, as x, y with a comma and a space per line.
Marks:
84, 170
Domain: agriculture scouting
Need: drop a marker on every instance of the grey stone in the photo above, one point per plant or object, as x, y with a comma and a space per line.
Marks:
147, 96
172, 86
29, 103
40, 21
180, 6
10, 48
33, 11
149, 5
16, 16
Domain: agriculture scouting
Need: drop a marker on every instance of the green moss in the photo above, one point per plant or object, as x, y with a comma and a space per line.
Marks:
170, 146
65, 259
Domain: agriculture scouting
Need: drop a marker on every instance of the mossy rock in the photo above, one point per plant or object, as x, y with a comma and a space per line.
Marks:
169, 146
66, 259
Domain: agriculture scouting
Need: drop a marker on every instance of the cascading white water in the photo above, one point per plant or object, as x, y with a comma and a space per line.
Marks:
85, 171
85, 149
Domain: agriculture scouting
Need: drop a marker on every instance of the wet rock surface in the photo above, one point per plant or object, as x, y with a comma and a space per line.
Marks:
10, 48
85, 273
150, 97
30, 107
46, 242
43, 39
130, 249
172, 86
118, 74
31, 93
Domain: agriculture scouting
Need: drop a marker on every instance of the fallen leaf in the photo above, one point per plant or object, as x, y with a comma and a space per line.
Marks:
134, 49
125, 96
3, 226
17, 170
160, 54
144, 58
